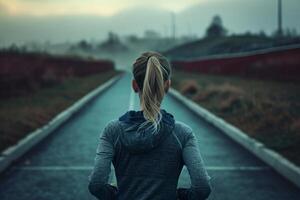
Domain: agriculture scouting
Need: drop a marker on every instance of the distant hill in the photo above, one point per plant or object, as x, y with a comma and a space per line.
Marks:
225, 45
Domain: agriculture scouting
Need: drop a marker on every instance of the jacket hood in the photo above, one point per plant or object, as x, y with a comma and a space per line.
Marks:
142, 139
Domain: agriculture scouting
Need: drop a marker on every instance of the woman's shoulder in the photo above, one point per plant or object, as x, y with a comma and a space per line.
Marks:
111, 130
183, 128
113, 124
183, 132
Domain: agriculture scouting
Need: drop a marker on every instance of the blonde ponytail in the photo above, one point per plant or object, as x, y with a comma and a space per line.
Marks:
151, 70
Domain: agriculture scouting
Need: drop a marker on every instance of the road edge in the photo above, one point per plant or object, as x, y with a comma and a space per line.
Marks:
13, 153
272, 158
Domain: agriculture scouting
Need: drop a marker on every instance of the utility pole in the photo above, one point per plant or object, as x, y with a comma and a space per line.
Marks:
279, 18
173, 25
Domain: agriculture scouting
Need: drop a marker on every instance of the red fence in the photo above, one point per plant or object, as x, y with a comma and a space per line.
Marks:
281, 64
24, 71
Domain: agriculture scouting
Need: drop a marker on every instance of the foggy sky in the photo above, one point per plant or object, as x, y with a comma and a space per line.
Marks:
134, 16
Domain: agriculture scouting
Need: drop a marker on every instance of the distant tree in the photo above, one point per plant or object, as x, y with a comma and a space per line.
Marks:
113, 38
151, 34
132, 38
113, 43
290, 33
275, 34
285, 34
13, 48
84, 45
248, 34
262, 34
216, 28
294, 32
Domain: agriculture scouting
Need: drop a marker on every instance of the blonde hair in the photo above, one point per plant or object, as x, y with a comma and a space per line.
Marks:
150, 71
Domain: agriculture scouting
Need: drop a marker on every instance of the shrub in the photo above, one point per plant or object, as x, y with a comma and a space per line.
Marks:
189, 87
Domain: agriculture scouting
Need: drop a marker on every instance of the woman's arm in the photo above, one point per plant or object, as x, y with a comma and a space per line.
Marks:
98, 180
200, 180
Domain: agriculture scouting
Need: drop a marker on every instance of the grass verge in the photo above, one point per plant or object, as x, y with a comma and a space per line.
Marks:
268, 111
23, 114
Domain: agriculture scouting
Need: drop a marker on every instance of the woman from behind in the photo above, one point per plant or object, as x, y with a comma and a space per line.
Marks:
148, 148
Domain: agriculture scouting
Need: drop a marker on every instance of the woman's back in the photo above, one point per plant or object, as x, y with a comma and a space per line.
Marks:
147, 165
148, 147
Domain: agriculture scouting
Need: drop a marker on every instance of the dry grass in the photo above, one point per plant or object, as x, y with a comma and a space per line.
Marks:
23, 114
267, 110
231, 96
189, 87
296, 126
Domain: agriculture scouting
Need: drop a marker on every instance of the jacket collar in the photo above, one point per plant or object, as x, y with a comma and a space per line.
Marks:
133, 117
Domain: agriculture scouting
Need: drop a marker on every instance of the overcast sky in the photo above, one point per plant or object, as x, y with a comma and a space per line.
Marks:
71, 20
88, 7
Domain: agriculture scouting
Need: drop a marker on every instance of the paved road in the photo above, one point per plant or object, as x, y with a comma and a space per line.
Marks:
59, 166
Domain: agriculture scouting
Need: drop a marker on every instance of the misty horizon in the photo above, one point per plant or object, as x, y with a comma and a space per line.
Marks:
238, 17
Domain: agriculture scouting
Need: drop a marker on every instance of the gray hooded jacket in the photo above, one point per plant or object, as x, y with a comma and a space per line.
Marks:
147, 164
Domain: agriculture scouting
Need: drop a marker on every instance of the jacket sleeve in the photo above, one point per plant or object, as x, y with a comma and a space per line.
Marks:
200, 180
98, 179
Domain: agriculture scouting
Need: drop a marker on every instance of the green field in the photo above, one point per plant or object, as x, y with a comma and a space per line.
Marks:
269, 111
23, 114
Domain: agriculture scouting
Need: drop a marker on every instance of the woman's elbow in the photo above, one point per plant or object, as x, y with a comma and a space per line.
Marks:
97, 189
102, 190
205, 191
202, 192
93, 188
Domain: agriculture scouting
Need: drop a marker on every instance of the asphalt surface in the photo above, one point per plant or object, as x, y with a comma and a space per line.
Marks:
58, 167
